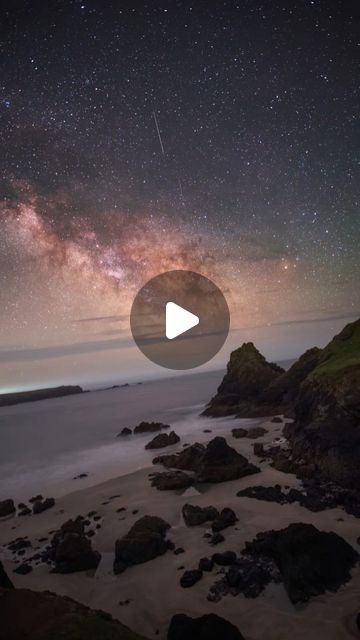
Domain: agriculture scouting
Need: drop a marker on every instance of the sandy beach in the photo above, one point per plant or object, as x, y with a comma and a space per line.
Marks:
153, 588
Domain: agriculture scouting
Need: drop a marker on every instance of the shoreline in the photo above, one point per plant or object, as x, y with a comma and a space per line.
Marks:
153, 588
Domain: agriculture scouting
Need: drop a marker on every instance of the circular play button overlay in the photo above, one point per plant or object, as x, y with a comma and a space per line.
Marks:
180, 319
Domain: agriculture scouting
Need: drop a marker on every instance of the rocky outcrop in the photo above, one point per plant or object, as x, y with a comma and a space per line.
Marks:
195, 516
217, 462
326, 431
186, 460
189, 578
150, 427
38, 394
145, 541
7, 508
171, 480
163, 440
248, 374
207, 627
5, 582
71, 550
221, 463
310, 561
43, 615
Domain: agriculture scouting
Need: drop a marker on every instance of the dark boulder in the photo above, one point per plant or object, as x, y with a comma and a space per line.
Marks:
25, 512
206, 564
71, 550
268, 494
195, 516
145, 541
163, 440
5, 582
227, 518
188, 459
42, 505
189, 578
171, 480
7, 508
23, 569
310, 561
207, 627
225, 558
221, 463
124, 432
150, 427
239, 432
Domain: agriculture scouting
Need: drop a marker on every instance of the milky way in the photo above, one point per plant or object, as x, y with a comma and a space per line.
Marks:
135, 140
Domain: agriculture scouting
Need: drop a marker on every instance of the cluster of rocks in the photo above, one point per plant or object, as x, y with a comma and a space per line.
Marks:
215, 462
194, 516
314, 495
253, 432
69, 549
144, 427
38, 505
300, 556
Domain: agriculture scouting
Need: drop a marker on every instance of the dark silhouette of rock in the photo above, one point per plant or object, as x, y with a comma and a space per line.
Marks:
7, 508
186, 460
225, 558
189, 578
42, 505
310, 561
171, 480
269, 494
71, 549
248, 374
217, 538
227, 518
239, 432
259, 450
38, 394
150, 427
25, 512
246, 576
221, 463
325, 435
124, 432
254, 432
41, 615
145, 541
36, 498
163, 440
207, 627
19, 544
276, 419
206, 564
195, 516
23, 569
5, 582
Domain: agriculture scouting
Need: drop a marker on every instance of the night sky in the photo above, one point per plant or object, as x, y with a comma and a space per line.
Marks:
140, 137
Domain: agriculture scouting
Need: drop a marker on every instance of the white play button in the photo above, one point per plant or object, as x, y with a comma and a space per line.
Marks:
178, 320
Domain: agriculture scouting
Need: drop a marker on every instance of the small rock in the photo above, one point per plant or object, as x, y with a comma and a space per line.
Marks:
42, 505
124, 432
225, 559
189, 578
23, 569
206, 564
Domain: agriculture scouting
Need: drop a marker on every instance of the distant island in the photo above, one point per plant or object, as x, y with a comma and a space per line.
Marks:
38, 394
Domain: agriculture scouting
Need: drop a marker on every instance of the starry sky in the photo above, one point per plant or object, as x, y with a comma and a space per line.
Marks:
141, 137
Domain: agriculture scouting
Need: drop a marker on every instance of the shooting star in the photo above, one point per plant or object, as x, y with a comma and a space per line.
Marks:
159, 134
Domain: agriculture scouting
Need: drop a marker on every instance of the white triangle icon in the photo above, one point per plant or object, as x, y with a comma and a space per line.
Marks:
178, 320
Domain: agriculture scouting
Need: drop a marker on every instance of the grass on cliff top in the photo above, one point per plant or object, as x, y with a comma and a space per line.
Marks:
341, 353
